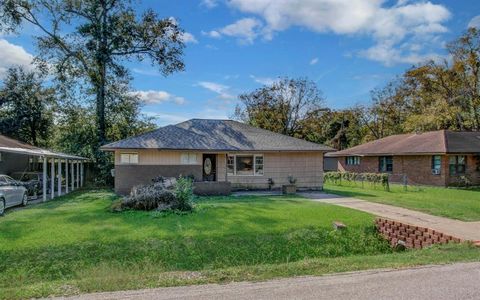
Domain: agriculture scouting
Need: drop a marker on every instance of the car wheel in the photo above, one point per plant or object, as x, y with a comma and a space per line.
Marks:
2, 207
25, 199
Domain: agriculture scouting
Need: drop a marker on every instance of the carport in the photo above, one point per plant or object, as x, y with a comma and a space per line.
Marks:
16, 156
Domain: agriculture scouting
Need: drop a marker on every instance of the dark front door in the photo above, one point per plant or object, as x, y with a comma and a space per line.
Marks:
209, 167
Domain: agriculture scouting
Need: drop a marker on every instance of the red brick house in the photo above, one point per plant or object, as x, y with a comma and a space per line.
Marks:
440, 158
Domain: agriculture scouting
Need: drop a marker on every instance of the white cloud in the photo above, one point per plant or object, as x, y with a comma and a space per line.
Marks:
387, 24
163, 119
213, 34
220, 89
245, 30
209, 3
13, 55
150, 72
314, 61
263, 80
157, 97
187, 37
474, 22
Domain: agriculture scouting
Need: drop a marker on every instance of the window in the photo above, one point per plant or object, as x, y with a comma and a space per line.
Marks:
436, 164
245, 165
352, 160
230, 165
188, 158
457, 164
385, 164
258, 165
129, 158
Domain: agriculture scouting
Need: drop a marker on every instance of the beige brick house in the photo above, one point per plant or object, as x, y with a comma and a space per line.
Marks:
220, 154
440, 158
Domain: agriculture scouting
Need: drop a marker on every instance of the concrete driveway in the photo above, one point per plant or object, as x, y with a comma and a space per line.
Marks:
460, 229
456, 281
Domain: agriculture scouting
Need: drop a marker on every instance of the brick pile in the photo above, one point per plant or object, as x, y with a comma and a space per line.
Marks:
411, 236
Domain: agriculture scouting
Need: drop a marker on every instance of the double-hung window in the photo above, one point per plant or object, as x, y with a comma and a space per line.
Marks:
457, 164
129, 158
352, 160
385, 164
245, 164
436, 164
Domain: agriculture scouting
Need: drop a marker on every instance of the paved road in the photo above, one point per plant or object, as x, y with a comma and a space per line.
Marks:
463, 230
456, 281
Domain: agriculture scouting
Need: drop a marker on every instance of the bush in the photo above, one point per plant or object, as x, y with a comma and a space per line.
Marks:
184, 193
352, 177
162, 195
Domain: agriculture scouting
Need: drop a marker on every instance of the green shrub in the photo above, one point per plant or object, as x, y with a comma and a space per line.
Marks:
183, 192
352, 177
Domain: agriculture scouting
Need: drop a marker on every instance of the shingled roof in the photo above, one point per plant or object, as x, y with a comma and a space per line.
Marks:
215, 135
433, 142
14, 146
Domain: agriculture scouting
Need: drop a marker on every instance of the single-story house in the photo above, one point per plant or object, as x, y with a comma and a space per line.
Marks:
219, 155
439, 158
66, 170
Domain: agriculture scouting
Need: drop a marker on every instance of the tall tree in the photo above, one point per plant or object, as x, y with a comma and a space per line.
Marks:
26, 107
281, 106
90, 40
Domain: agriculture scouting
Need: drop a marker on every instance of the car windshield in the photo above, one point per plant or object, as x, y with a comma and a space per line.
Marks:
3, 180
25, 176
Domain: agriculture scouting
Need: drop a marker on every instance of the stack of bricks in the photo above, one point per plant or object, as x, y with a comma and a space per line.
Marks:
411, 236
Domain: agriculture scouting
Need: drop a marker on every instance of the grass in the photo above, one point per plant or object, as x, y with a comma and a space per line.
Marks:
75, 244
461, 204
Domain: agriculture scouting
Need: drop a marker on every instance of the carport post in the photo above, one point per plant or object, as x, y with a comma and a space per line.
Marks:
52, 179
66, 176
78, 174
72, 176
81, 174
45, 178
59, 177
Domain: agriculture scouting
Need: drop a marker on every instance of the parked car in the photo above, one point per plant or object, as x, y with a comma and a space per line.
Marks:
33, 181
12, 192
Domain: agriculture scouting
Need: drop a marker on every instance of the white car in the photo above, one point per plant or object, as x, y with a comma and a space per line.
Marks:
12, 193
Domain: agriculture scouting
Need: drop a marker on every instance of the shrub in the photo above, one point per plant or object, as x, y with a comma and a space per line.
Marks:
352, 177
149, 197
184, 194
164, 194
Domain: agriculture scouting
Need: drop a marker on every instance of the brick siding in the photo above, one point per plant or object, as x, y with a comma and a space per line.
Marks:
417, 168
411, 236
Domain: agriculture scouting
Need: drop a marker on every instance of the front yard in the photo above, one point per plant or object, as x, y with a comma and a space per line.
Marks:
75, 244
452, 203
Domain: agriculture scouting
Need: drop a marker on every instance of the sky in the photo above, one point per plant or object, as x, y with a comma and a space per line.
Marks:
347, 47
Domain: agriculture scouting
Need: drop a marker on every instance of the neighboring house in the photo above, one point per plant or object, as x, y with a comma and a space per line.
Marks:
330, 164
220, 155
440, 158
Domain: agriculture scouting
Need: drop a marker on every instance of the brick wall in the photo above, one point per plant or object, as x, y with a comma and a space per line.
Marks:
418, 169
412, 236
471, 172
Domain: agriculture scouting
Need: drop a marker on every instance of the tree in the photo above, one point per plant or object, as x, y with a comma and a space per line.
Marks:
387, 112
89, 40
281, 106
76, 130
26, 107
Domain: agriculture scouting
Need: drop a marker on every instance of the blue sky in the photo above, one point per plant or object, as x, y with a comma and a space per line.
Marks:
348, 47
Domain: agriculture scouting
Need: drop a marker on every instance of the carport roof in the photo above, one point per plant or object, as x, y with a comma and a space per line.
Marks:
14, 146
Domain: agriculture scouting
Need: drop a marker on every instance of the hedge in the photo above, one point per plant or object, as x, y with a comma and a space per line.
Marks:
374, 178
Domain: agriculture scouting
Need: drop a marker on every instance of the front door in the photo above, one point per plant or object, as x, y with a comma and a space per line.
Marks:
209, 167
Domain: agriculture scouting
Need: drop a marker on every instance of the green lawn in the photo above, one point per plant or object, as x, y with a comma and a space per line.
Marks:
75, 244
458, 204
